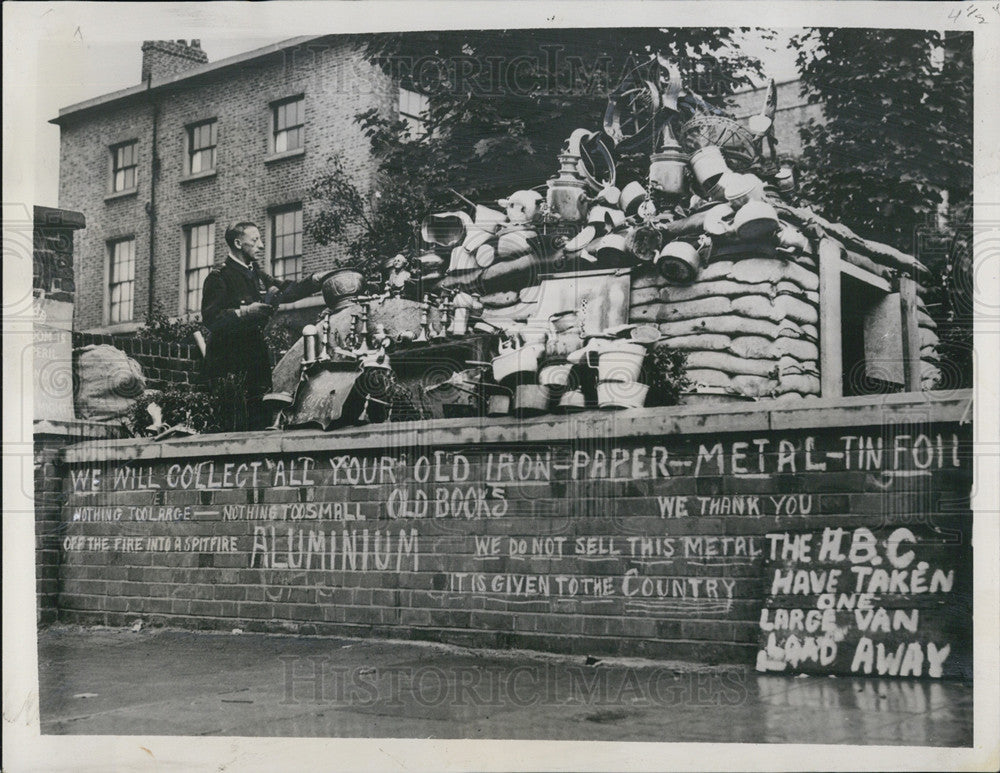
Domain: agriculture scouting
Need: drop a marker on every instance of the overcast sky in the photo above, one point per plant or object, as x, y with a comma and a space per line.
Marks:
90, 64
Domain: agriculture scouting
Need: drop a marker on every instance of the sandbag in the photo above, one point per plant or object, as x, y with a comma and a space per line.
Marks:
928, 338
733, 325
754, 270
109, 383
784, 307
761, 347
708, 342
645, 279
807, 384
730, 364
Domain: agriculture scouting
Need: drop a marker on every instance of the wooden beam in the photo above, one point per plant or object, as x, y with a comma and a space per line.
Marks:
831, 356
911, 333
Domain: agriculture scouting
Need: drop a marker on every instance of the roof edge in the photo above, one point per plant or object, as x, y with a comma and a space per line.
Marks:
194, 72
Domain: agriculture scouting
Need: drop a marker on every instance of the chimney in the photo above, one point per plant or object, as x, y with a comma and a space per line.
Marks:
163, 58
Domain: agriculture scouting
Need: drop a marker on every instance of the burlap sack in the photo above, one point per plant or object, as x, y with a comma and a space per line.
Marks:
784, 307
109, 382
730, 324
730, 364
928, 338
754, 270
715, 288
806, 384
708, 342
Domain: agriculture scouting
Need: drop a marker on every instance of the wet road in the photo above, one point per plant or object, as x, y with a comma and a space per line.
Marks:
169, 682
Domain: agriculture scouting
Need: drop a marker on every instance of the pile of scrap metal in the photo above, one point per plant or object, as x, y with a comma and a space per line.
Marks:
722, 262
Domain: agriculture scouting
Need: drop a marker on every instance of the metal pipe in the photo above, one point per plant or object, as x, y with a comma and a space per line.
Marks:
151, 204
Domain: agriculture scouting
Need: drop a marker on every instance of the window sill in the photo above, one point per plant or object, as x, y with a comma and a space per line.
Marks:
298, 152
121, 194
207, 174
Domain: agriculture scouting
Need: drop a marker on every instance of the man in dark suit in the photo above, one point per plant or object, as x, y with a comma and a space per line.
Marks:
238, 299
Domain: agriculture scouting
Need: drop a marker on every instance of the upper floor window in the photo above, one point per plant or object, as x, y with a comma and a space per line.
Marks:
121, 279
288, 119
201, 141
123, 166
286, 243
413, 108
199, 255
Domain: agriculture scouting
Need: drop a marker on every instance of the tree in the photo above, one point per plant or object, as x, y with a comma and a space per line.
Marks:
895, 145
501, 103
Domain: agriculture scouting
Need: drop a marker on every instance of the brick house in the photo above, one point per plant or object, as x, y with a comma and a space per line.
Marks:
241, 138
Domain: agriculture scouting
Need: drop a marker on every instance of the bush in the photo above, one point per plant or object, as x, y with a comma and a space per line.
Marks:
160, 327
203, 412
667, 375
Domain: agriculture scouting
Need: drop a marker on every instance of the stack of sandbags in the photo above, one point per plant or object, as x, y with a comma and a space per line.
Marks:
749, 327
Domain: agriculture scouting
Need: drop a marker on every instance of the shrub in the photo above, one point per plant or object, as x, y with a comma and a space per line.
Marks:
667, 375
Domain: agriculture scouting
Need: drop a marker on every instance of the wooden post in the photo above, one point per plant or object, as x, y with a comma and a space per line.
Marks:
911, 333
831, 356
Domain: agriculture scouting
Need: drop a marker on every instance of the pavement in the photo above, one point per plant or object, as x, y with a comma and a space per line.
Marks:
172, 682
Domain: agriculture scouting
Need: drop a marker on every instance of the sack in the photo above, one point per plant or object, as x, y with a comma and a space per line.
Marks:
109, 383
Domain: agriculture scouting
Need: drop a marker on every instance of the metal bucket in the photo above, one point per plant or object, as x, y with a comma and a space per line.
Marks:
531, 400
619, 395
708, 165
620, 360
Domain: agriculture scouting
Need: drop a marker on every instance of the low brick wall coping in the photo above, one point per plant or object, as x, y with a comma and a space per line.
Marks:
762, 415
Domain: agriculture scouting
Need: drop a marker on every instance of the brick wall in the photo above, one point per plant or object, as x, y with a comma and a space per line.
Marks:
655, 533
794, 111
247, 184
50, 437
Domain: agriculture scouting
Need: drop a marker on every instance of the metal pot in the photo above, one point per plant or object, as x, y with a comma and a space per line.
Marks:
340, 286
633, 195
678, 262
756, 220
708, 165
511, 361
446, 228
644, 242
612, 247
